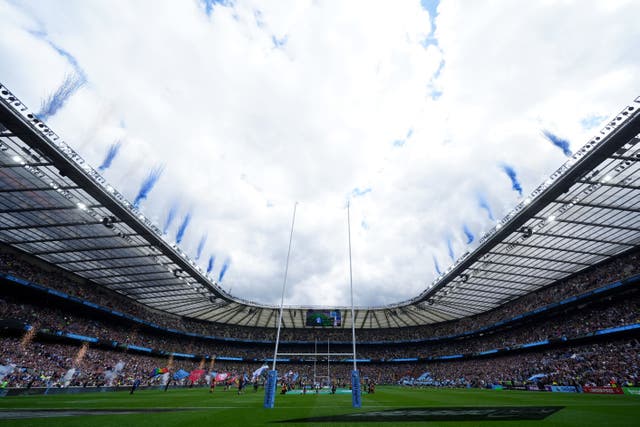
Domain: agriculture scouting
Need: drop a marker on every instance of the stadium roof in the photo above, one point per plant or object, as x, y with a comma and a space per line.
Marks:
58, 208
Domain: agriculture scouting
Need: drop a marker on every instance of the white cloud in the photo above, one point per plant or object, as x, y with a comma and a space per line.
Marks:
246, 128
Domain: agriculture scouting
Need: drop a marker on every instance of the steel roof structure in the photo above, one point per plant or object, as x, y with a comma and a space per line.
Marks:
56, 207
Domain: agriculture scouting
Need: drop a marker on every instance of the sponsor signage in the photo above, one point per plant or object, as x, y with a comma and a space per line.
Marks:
602, 390
564, 389
631, 390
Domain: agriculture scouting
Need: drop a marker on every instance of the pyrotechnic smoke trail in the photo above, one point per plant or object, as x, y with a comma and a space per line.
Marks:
225, 266
72, 82
173, 211
28, 336
450, 249
212, 260
203, 241
81, 353
183, 227
511, 173
208, 6
111, 154
148, 184
170, 362
468, 234
562, 144
437, 267
485, 205
55, 101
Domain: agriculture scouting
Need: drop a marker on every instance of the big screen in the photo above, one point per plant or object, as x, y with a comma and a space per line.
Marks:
324, 318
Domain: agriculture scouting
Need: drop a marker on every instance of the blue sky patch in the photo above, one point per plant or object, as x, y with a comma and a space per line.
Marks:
592, 121
359, 193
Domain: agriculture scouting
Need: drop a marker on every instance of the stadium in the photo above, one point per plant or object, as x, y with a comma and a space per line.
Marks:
108, 319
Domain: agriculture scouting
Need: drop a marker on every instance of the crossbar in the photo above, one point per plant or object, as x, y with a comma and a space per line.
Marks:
315, 354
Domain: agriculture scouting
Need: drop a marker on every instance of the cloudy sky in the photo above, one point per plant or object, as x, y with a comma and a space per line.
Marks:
432, 119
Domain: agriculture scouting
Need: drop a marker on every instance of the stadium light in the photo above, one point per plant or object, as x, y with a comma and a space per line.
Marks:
526, 232
108, 221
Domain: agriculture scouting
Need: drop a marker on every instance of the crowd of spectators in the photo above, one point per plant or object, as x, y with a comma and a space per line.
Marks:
576, 321
47, 365
613, 270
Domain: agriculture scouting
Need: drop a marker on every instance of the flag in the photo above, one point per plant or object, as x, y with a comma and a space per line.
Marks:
258, 372
195, 375
180, 374
221, 376
159, 371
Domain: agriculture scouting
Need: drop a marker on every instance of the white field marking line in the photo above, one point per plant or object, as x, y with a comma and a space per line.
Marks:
181, 408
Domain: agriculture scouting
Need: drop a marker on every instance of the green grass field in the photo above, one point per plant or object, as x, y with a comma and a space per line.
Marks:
197, 407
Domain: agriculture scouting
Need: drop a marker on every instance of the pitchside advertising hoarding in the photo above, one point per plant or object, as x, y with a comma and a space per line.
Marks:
631, 390
561, 388
602, 390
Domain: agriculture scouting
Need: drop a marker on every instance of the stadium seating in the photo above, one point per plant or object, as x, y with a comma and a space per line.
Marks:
579, 332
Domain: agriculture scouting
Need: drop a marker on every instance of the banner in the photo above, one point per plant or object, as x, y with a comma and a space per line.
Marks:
221, 376
631, 390
603, 390
180, 374
195, 375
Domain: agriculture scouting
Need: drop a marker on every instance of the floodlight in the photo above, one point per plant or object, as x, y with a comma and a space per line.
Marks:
526, 231
108, 221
